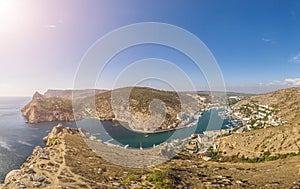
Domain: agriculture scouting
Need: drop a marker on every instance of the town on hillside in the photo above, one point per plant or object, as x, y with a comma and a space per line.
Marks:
245, 117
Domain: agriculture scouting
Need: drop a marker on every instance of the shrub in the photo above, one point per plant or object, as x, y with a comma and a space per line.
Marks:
132, 177
52, 140
159, 178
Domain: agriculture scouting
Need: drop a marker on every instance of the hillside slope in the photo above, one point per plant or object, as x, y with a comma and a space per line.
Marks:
69, 93
284, 139
67, 162
143, 103
287, 100
42, 109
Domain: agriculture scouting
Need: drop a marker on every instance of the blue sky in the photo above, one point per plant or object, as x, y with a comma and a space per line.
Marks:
256, 43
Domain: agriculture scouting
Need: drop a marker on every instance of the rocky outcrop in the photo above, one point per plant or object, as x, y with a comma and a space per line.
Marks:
58, 131
42, 109
46, 167
68, 162
144, 109
37, 96
37, 169
56, 105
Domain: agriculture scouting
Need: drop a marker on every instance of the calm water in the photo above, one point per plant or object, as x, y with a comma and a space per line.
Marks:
18, 139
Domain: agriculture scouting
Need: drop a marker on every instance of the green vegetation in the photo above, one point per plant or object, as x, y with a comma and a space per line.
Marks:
144, 96
139, 101
267, 157
132, 177
54, 103
232, 101
52, 140
212, 154
159, 178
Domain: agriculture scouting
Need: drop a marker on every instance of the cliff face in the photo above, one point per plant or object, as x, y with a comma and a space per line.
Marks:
47, 108
54, 166
56, 105
67, 162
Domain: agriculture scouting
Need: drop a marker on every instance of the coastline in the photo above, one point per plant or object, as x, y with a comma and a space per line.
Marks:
68, 153
192, 124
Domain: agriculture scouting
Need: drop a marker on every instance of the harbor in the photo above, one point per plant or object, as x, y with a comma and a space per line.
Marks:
126, 138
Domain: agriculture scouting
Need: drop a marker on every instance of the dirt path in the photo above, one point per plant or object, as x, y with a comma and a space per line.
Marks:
70, 164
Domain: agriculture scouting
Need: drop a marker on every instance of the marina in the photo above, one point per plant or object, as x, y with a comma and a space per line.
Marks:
125, 137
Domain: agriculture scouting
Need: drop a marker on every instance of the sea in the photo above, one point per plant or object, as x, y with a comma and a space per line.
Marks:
18, 138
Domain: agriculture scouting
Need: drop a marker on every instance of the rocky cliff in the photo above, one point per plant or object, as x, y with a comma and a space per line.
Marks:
68, 162
48, 109
142, 102
55, 105
65, 162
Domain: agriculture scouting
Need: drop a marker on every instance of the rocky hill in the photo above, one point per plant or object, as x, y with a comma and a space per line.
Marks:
54, 105
287, 100
48, 109
137, 109
68, 162
68, 93
278, 141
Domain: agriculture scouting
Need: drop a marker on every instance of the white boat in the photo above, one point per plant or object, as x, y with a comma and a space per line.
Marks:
141, 147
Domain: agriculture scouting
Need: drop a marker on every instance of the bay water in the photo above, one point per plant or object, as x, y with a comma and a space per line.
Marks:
18, 139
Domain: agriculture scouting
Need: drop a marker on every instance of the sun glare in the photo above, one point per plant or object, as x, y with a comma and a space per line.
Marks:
9, 15
4, 5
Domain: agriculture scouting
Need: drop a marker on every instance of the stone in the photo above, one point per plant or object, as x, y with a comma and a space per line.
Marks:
29, 171
23, 186
44, 155
37, 184
47, 181
116, 184
41, 179
12, 175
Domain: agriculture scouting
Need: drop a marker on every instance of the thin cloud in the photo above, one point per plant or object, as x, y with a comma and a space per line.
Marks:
295, 81
286, 82
268, 40
295, 59
51, 26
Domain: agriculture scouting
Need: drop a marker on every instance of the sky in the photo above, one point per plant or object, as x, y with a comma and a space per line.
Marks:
255, 43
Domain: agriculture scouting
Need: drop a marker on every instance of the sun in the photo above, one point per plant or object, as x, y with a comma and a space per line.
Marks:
9, 15
6, 7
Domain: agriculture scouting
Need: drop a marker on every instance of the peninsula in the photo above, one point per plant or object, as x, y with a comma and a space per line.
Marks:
172, 110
